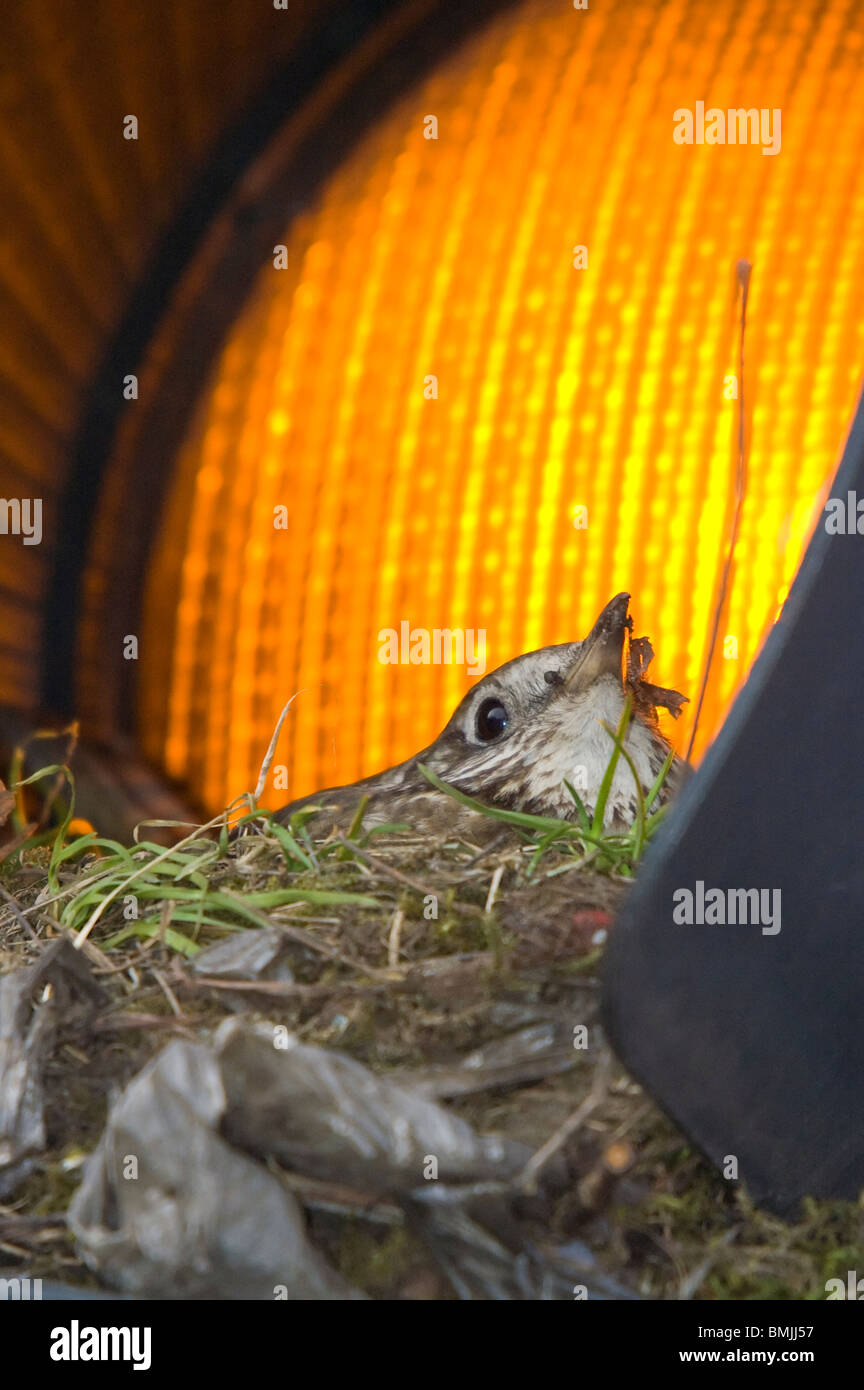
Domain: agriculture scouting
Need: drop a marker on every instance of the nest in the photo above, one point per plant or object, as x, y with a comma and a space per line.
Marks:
465, 975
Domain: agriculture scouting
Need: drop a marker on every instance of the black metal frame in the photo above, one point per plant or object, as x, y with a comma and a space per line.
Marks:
752, 1040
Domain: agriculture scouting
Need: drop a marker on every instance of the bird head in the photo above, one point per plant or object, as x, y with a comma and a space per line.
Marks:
540, 721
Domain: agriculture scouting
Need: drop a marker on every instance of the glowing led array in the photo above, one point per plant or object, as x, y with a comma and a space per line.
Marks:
557, 387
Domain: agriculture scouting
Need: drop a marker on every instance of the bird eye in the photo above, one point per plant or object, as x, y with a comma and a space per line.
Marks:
492, 719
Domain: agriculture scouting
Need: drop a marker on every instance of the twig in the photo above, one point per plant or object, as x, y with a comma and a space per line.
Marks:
527, 1180
18, 914
394, 939
696, 1277
469, 909
279, 989
169, 995
493, 887
124, 1023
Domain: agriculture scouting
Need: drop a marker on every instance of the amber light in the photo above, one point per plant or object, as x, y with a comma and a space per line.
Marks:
558, 387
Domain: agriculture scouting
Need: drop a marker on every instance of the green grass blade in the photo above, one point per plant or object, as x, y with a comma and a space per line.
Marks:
608, 775
581, 809
175, 939
638, 831
659, 780
290, 847
521, 818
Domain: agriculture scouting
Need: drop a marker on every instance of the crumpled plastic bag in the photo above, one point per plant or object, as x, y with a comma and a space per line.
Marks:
27, 1029
246, 957
542, 1049
172, 1204
168, 1209
480, 1265
323, 1113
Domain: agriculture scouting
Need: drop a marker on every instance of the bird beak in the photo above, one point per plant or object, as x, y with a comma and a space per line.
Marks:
603, 648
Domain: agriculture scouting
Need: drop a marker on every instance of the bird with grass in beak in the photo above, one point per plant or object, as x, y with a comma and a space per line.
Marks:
521, 734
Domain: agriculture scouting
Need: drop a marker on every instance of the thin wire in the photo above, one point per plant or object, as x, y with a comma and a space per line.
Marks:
744, 269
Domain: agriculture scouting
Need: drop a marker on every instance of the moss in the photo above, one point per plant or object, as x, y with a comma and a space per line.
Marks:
376, 1259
